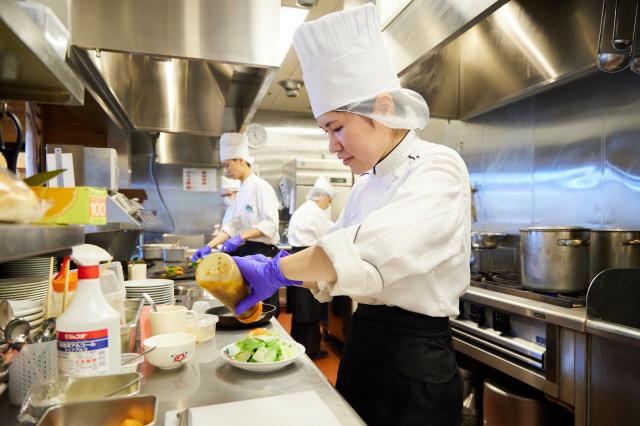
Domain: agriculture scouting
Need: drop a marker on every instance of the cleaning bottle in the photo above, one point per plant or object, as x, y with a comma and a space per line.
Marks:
89, 330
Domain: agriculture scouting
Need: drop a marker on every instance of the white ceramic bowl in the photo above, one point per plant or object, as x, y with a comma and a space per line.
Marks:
261, 366
173, 349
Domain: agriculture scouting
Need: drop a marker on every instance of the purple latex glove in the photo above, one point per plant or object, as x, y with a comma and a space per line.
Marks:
263, 276
232, 244
201, 253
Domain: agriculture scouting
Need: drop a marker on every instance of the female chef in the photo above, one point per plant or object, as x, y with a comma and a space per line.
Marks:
401, 245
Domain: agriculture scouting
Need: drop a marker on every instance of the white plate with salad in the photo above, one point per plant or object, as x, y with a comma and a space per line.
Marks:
262, 351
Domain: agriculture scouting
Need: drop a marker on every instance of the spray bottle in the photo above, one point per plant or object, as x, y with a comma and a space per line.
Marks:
89, 330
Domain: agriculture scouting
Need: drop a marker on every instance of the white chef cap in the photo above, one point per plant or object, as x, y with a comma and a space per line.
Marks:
234, 146
345, 67
228, 185
322, 188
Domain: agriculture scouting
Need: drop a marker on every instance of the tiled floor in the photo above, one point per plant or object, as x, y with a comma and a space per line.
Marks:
329, 365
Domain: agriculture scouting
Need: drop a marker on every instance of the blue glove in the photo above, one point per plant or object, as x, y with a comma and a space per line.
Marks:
263, 276
232, 244
201, 253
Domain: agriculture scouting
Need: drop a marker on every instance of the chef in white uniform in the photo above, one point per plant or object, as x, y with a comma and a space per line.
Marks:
253, 227
228, 191
308, 224
401, 245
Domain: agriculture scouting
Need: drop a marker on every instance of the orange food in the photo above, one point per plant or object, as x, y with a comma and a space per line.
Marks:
259, 332
131, 422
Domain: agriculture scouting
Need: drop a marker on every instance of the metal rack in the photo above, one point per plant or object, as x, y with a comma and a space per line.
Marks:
22, 241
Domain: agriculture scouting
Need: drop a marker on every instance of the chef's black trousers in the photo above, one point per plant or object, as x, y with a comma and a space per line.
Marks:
253, 247
399, 368
307, 313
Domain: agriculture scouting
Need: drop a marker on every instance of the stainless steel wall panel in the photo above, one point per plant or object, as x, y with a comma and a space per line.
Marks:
621, 191
568, 171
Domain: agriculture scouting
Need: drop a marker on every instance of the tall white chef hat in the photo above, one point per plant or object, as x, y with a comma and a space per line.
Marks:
228, 185
234, 146
321, 188
345, 67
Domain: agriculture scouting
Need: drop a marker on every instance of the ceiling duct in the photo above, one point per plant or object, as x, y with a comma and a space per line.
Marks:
179, 66
468, 57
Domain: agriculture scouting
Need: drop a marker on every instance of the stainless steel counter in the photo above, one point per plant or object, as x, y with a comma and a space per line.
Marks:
207, 379
572, 318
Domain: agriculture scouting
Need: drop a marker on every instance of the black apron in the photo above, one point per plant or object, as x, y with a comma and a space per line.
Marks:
254, 247
399, 368
307, 313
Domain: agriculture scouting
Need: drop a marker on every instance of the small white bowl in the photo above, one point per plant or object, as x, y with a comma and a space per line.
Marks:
131, 367
173, 349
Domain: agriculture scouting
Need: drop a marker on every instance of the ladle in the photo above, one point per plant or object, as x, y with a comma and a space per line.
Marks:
634, 63
49, 329
17, 331
611, 60
6, 315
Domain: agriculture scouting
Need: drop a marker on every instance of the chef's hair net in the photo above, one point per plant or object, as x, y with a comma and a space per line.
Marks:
316, 193
410, 110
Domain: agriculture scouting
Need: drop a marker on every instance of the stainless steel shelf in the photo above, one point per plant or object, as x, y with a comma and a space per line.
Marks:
22, 241
31, 70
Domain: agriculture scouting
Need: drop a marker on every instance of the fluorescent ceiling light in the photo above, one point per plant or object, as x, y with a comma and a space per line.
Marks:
290, 19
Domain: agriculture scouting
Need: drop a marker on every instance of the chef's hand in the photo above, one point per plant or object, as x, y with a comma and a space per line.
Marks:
201, 253
232, 244
263, 276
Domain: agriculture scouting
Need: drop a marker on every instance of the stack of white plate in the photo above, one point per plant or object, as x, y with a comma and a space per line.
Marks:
27, 288
161, 291
33, 267
29, 310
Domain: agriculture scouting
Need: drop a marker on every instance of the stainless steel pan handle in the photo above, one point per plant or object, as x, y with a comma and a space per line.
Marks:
573, 243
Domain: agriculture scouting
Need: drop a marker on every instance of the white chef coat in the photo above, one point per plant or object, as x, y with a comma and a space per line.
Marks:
256, 206
308, 223
228, 214
403, 236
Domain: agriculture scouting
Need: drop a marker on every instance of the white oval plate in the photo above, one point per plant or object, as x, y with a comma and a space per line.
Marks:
147, 283
261, 366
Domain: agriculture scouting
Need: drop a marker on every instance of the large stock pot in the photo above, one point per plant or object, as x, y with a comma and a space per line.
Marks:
613, 248
555, 259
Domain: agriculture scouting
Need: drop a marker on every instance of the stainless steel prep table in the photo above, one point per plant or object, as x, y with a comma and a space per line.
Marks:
208, 379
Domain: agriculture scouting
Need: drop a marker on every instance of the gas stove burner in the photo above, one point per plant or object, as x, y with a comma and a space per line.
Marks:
509, 282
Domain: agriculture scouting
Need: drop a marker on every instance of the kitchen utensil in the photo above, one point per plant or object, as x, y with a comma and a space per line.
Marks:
623, 28
634, 62
136, 316
11, 153
173, 349
555, 259
170, 319
114, 411
125, 386
608, 59
227, 320
613, 248
150, 301
130, 361
17, 331
486, 240
184, 417
6, 315
49, 329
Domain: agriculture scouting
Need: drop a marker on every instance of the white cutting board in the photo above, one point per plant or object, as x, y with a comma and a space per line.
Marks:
293, 409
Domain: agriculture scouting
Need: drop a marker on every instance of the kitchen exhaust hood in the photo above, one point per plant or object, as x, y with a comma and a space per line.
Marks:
179, 66
468, 57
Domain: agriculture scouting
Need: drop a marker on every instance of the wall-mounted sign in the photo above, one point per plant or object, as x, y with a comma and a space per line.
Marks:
199, 180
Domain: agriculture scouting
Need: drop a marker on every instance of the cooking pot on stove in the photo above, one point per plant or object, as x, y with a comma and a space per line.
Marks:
486, 240
613, 248
555, 259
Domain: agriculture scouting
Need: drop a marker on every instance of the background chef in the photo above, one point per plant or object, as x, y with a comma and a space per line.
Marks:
401, 245
253, 227
309, 222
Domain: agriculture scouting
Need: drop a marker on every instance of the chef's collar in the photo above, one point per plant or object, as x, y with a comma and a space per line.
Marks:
247, 179
397, 155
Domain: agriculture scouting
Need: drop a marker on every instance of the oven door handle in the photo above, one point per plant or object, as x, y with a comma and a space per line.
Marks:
496, 348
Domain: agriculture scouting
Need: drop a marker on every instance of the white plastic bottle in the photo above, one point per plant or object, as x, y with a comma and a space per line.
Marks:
89, 330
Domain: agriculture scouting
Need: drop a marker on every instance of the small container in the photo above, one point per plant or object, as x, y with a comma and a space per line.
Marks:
131, 367
203, 327
220, 276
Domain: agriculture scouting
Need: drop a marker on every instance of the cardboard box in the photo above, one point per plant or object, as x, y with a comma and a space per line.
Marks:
82, 205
